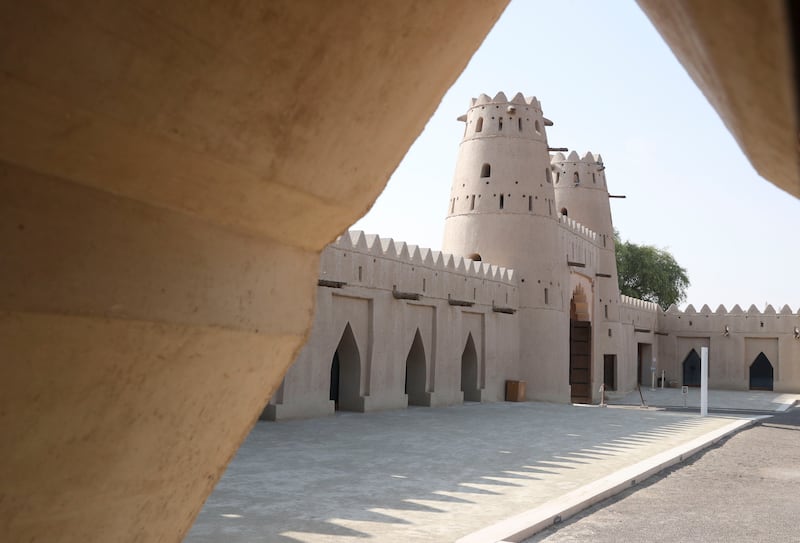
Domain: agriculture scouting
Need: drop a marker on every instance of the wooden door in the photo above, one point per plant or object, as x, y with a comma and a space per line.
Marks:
580, 349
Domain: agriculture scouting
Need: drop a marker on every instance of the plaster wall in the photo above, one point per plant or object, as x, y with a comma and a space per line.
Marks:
733, 349
387, 292
169, 174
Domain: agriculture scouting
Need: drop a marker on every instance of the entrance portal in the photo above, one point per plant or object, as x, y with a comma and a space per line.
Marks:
345, 389
580, 341
416, 372
580, 348
469, 372
761, 373
691, 369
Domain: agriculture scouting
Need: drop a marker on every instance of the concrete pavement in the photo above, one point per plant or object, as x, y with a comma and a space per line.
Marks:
441, 474
743, 490
719, 400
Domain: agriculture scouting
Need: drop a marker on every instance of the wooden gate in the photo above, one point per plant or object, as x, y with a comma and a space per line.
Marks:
580, 348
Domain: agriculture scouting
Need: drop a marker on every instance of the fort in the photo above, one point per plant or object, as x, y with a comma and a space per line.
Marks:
523, 300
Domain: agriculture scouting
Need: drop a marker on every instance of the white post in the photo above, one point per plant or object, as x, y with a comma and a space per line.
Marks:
653, 374
704, 381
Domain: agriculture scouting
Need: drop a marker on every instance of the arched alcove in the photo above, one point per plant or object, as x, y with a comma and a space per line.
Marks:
416, 372
345, 386
691, 369
479, 125
486, 170
469, 372
761, 373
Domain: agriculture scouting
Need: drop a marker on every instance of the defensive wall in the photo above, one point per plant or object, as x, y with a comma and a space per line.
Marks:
406, 326
528, 291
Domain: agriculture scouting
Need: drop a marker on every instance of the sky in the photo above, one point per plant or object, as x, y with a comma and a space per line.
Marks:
611, 85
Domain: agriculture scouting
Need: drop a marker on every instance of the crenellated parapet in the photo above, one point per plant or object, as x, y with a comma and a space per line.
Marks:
578, 229
362, 260
751, 322
636, 303
574, 170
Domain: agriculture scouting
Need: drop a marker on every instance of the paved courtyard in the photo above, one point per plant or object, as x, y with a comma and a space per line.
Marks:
425, 474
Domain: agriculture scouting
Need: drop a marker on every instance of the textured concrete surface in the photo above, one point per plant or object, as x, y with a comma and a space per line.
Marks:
426, 474
755, 400
742, 490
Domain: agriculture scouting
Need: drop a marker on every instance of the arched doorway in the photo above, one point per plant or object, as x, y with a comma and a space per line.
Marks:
580, 348
345, 387
416, 372
761, 373
691, 369
469, 372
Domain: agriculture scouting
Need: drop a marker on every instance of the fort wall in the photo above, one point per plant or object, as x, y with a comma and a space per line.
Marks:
404, 308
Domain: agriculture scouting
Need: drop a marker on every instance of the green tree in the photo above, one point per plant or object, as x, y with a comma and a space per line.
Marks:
650, 274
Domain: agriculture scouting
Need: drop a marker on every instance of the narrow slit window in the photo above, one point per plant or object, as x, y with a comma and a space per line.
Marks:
605, 310
452, 205
423, 284
486, 170
537, 127
549, 208
576, 178
547, 178
502, 201
360, 270
546, 296
479, 125
558, 177
519, 123
594, 178
500, 123
472, 202
530, 203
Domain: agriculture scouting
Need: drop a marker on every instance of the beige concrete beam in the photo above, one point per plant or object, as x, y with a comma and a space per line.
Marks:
168, 174
740, 55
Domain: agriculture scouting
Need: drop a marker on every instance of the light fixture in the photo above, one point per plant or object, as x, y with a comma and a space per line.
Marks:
796, 332
727, 331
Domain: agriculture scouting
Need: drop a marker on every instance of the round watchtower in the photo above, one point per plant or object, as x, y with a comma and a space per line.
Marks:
502, 210
581, 192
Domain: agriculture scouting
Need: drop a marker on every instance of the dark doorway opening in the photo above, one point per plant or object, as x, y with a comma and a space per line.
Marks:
610, 371
416, 371
761, 373
580, 342
691, 369
580, 348
644, 355
345, 387
469, 372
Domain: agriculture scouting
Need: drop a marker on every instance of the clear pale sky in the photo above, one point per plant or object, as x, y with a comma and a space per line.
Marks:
611, 85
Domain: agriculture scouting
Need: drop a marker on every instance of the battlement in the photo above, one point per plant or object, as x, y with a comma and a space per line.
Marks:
736, 311
578, 228
588, 158
500, 98
636, 303
400, 251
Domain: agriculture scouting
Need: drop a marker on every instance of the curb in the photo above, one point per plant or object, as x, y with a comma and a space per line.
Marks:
524, 525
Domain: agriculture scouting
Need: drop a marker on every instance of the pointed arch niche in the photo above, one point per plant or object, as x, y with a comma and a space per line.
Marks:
761, 373
691, 369
416, 372
469, 371
345, 384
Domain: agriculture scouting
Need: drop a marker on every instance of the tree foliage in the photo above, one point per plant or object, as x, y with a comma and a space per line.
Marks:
650, 274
